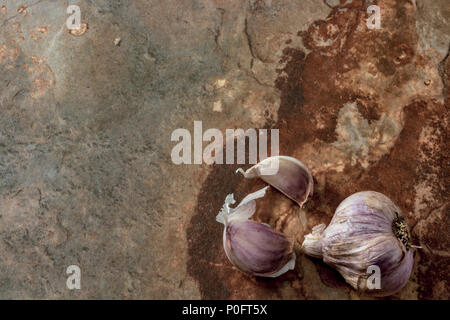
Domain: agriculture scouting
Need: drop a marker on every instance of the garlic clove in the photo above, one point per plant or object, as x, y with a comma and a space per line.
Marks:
367, 229
287, 174
254, 247
290, 265
395, 280
257, 249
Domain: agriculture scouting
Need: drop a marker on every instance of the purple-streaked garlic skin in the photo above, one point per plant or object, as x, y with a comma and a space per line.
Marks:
361, 234
254, 247
289, 175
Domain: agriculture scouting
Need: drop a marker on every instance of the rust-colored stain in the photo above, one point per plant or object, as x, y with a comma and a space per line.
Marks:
38, 31
42, 76
8, 55
81, 31
412, 167
23, 9
42, 29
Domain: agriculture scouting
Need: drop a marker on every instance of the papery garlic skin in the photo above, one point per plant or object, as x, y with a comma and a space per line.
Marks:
254, 247
364, 232
287, 174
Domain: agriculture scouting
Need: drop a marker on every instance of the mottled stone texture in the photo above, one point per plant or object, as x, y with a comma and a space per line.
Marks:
86, 176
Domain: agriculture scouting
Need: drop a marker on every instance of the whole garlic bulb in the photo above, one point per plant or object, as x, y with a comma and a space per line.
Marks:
367, 229
254, 247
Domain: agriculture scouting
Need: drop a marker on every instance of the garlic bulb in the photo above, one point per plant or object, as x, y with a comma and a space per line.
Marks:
367, 230
254, 247
287, 174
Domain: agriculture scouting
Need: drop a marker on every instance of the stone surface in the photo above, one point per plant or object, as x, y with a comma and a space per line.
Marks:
86, 176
